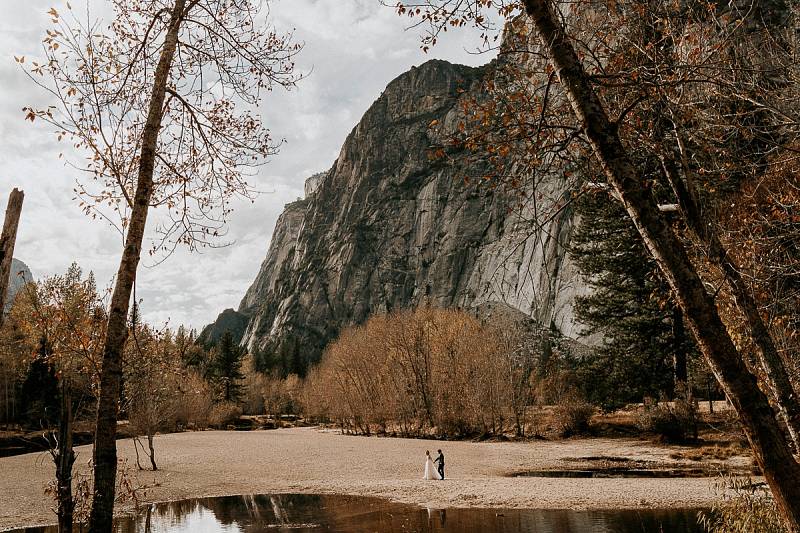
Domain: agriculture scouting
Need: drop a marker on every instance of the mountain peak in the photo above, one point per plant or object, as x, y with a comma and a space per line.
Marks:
388, 227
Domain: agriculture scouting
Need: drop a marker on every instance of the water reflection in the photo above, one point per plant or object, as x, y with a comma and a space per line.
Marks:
303, 512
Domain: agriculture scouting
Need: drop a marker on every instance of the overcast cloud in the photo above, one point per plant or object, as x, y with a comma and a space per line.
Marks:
353, 48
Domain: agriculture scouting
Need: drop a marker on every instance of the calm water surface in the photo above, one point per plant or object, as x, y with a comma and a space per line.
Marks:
303, 512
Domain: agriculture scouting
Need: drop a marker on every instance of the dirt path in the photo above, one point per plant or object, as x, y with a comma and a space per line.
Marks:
216, 463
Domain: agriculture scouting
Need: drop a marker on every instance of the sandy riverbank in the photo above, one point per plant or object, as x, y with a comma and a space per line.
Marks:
308, 460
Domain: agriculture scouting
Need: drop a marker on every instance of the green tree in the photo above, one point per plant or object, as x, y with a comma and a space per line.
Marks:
644, 347
226, 370
263, 361
39, 395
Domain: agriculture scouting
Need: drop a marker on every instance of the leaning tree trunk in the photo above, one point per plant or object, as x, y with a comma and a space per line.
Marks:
775, 375
7, 240
771, 450
105, 446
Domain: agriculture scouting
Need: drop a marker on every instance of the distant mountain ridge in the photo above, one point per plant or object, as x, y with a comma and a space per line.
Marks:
20, 275
228, 320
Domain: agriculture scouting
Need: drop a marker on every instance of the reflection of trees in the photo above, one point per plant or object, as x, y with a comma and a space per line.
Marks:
158, 516
652, 520
227, 510
253, 513
148, 520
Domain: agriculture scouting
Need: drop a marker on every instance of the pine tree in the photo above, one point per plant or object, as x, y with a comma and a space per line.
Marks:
226, 371
297, 365
644, 344
39, 395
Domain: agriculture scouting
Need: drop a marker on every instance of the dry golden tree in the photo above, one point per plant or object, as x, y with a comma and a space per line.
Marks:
154, 385
63, 319
661, 100
414, 372
163, 101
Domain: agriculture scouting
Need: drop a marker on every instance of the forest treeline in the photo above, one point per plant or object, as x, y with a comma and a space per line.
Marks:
50, 353
424, 371
453, 373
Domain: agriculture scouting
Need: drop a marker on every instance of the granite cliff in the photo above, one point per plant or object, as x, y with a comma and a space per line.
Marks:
389, 227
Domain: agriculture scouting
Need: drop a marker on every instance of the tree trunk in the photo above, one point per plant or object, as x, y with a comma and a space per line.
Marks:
65, 459
7, 240
770, 449
152, 450
105, 446
710, 401
778, 384
681, 376
136, 449
6, 404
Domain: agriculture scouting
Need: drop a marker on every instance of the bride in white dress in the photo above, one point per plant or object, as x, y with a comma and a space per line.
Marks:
430, 468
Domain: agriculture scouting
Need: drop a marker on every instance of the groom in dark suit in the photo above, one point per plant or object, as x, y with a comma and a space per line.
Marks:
440, 460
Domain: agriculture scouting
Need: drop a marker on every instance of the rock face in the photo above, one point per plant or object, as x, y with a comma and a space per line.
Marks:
312, 184
228, 320
389, 227
279, 257
19, 276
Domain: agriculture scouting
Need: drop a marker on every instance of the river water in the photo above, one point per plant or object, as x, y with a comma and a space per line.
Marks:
318, 513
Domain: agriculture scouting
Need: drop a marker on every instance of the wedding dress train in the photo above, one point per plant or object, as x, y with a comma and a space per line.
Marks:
430, 470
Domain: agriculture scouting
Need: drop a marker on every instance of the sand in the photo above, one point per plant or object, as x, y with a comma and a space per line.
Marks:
310, 460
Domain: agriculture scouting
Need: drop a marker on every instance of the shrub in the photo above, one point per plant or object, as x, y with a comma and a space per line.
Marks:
254, 383
673, 421
658, 418
572, 416
281, 396
746, 507
195, 402
314, 397
224, 413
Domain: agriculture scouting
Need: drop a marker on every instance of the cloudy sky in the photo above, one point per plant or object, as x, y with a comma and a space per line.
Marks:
353, 48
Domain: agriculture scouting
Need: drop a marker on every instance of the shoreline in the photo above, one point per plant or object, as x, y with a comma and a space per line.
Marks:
315, 461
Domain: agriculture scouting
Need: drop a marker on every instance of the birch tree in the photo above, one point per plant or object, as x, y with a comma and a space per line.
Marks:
163, 102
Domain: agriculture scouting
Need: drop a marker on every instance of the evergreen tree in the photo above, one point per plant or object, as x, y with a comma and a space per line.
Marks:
297, 366
644, 343
265, 363
39, 397
226, 369
196, 357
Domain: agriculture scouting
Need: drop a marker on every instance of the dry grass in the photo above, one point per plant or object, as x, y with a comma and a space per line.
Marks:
717, 452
